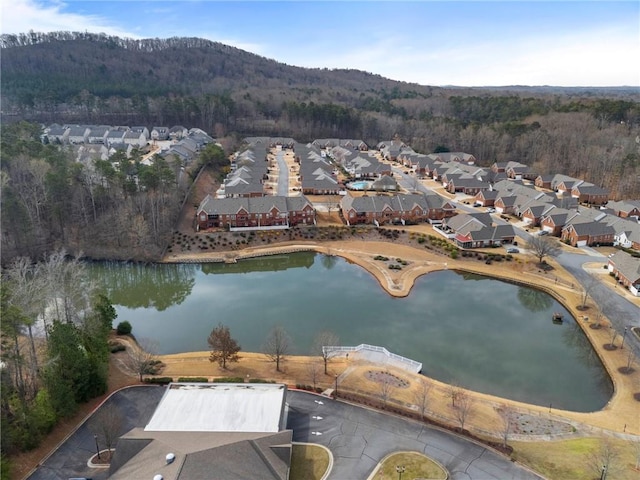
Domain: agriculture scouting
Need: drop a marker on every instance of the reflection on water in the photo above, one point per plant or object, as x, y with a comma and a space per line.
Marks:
487, 335
270, 263
534, 300
136, 285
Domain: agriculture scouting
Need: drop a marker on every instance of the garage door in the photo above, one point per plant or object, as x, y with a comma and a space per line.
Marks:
582, 243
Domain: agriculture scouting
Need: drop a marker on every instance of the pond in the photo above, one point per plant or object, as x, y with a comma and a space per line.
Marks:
480, 333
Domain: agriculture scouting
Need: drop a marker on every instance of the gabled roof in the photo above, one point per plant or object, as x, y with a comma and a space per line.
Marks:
590, 228
623, 205
627, 265
488, 194
590, 189
468, 222
265, 204
395, 203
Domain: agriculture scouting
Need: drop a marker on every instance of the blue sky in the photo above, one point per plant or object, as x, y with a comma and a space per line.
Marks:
479, 43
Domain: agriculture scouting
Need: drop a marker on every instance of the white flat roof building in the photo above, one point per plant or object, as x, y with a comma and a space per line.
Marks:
220, 407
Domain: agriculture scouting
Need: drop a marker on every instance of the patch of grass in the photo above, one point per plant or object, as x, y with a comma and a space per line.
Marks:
416, 465
308, 462
567, 459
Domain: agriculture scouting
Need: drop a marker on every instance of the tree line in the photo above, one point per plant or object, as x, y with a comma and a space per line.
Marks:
117, 209
55, 352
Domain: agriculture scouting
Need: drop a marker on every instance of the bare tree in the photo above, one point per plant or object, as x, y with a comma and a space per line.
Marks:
421, 396
387, 386
140, 359
543, 246
508, 417
223, 348
453, 392
277, 345
630, 360
588, 286
313, 370
325, 338
108, 424
462, 410
605, 461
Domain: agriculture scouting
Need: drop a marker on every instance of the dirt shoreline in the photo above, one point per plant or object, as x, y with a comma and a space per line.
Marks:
620, 413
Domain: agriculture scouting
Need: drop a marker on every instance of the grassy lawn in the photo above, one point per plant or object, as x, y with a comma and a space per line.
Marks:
415, 465
308, 462
569, 459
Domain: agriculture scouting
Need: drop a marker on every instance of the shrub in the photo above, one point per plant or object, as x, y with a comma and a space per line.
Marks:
159, 380
124, 328
454, 254
228, 380
193, 379
117, 347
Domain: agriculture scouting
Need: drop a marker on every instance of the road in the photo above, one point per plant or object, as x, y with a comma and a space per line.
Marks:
359, 438
620, 311
283, 174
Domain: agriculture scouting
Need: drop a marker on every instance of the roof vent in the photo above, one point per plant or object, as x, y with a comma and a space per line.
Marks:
170, 458
157, 476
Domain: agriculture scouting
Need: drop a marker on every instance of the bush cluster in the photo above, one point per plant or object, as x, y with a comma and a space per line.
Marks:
308, 388
124, 328
158, 380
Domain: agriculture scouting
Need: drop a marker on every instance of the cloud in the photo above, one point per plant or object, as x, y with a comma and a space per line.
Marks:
601, 57
21, 16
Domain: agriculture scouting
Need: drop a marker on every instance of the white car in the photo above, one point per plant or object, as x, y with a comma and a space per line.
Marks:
491, 210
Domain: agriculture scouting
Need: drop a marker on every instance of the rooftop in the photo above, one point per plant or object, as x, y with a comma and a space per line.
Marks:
192, 407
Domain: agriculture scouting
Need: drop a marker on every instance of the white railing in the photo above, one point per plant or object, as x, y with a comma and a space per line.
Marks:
407, 362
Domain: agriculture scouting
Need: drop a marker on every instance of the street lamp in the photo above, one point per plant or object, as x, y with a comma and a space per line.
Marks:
604, 472
400, 469
336, 389
95, 437
623, 337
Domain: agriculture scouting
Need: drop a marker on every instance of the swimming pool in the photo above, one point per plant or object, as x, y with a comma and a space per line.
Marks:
359, 185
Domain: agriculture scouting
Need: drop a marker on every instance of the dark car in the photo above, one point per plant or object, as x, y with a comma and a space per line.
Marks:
513, 250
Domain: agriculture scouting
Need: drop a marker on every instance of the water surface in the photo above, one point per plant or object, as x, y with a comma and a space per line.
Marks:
481, 333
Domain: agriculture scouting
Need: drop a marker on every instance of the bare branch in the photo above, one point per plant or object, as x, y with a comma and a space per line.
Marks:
421, 396
277, 345
463, 408
325, 339
140, 359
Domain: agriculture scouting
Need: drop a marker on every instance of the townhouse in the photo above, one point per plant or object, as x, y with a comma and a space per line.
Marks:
254, 213
395, 209
626, 270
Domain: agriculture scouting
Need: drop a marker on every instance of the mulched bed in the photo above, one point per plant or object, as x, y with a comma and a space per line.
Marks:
380, 376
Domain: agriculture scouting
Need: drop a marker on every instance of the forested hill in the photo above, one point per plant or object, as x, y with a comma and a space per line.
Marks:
65, 68
88, 78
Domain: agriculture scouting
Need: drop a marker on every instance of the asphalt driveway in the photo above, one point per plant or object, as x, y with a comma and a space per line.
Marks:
359, 438
135, 404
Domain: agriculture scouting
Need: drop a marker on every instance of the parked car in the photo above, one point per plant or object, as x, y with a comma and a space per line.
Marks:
513, 250
491, 210
543, 232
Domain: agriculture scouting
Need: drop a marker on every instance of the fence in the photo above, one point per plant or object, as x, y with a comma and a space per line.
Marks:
402, 362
